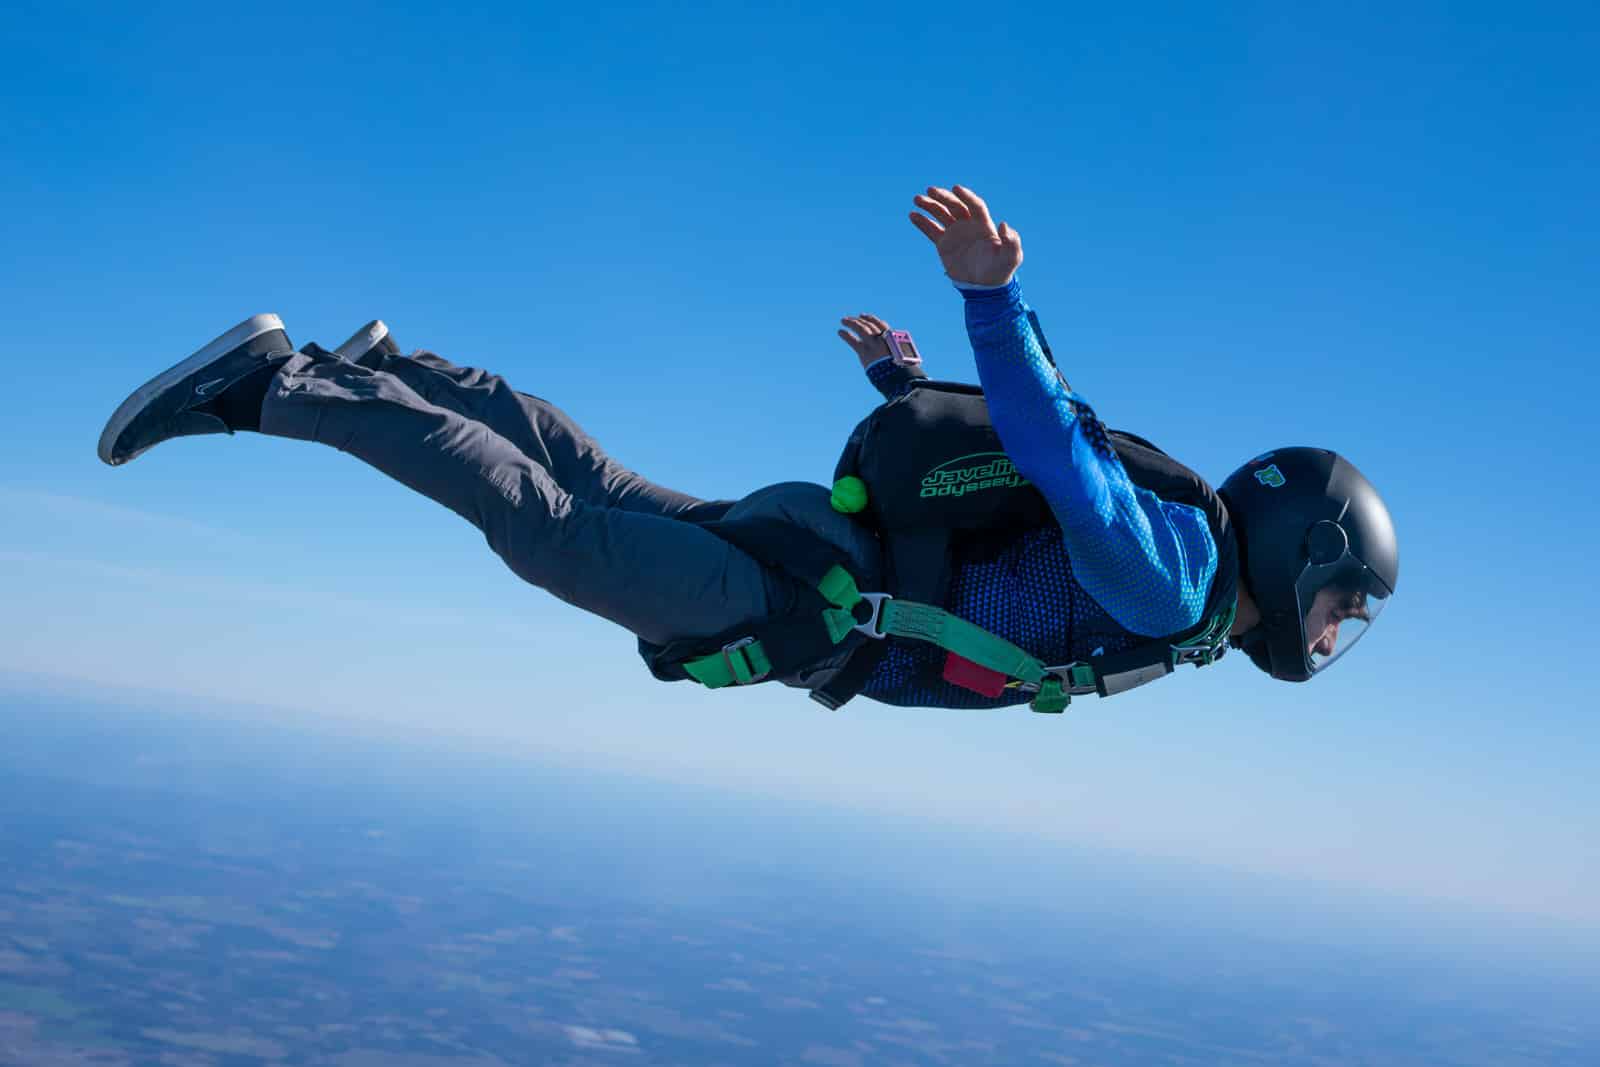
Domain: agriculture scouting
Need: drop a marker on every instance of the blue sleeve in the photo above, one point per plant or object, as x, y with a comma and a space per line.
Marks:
1148, 562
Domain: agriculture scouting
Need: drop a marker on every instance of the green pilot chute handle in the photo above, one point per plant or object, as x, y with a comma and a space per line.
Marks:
849, 495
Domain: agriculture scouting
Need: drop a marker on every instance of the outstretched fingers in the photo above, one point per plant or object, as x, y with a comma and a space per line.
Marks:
939, 211
930, 229
868, 326
947, 207
954, 206
973, 203
942, 204
861, 329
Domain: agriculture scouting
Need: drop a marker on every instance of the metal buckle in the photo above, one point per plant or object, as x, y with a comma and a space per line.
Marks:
734, 647
870, 627
1199, 655
1064, 673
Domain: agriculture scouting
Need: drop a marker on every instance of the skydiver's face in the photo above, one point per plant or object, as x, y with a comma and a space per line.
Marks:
1332, 606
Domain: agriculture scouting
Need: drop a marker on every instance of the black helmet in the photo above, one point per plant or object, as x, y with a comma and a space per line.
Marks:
1317, 553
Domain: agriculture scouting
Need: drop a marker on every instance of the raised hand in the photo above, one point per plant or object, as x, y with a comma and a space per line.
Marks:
865, 337
971, 249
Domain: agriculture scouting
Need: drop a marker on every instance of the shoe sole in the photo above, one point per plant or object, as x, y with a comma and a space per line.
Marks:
246, 331
362, 341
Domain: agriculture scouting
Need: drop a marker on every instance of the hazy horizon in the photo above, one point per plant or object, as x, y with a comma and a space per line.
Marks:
240, 755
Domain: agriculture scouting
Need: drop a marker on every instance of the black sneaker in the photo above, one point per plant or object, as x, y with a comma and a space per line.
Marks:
168, 405
368, 345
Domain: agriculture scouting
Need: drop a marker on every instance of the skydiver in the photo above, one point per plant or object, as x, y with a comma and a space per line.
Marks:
1098, 564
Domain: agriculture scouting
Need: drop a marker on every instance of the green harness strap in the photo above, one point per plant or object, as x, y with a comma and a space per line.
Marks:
745, 661
924, 622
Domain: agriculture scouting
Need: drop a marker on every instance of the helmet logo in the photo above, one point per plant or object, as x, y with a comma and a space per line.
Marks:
1271, 477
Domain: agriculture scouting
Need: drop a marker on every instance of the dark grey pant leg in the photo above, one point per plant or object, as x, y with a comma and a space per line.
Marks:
544, 433
581, 466
660, 578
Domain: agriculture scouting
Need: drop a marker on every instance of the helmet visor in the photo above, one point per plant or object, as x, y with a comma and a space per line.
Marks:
1338, 601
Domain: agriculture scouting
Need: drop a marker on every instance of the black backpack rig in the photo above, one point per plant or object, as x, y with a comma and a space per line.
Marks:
926, 471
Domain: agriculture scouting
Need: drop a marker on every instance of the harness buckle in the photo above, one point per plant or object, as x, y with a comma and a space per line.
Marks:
1206, 648
1077, 679
870, 626
1199, 655
727, 658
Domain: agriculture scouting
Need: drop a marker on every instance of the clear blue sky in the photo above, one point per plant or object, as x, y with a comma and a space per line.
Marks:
1245, 227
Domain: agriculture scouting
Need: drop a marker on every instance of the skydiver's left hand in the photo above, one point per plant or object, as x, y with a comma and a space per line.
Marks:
865, 337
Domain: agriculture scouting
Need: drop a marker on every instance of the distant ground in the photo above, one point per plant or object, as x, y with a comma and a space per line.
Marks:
186, 892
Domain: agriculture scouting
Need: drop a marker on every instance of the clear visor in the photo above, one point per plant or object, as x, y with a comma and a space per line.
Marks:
1338, 603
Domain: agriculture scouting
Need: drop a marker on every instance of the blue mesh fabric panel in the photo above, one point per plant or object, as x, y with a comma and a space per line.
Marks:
1023, 591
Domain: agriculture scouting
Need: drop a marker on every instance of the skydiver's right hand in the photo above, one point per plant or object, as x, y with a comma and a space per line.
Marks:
866, 336
970, 247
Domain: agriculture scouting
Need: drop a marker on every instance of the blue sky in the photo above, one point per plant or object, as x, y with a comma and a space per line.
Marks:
1245, 227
